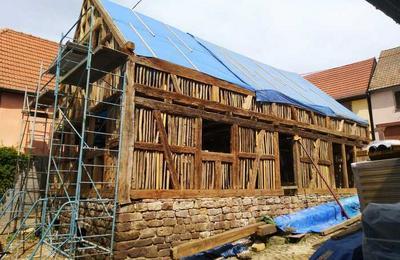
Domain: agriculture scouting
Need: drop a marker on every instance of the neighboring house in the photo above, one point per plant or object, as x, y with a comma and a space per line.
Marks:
348, 84
21, 56
384, 91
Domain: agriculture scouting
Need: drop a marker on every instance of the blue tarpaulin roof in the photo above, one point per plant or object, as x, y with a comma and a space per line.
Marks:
318, 218
153, 38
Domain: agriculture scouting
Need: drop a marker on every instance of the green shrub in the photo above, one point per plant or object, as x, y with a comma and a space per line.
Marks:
9, 161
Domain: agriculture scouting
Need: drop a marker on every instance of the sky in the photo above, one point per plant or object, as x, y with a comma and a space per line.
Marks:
296, 35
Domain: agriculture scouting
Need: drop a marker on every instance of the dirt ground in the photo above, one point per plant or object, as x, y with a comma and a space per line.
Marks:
294, 251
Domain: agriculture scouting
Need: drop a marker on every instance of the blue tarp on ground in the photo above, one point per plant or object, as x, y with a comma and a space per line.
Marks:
318, 218
153, 38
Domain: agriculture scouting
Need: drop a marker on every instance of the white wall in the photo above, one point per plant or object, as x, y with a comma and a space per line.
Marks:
384, 107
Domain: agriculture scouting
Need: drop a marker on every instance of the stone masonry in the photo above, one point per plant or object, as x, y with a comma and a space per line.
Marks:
149, 228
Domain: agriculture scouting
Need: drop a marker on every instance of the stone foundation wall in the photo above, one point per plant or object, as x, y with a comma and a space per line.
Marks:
151, 227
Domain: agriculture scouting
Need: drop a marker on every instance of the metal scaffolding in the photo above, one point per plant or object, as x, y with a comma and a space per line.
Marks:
77, 208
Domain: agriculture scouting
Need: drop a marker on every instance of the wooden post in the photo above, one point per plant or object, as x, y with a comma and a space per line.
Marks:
331, 166
218, 175
277, 162
344, 167
197, 156
296, 165
127, 137
235, 153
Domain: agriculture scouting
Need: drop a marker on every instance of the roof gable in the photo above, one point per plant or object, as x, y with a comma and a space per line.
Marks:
153, 38
20, 58
346, 81
387, 72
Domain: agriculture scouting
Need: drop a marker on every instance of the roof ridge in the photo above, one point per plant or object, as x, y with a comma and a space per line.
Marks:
309, 74
6, 29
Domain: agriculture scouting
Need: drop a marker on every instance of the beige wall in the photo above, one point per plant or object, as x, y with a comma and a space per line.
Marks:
384, 107
10, 125
10, 118
360, 108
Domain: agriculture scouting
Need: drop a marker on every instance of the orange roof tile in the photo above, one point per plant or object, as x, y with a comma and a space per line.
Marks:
20, 58
347, 81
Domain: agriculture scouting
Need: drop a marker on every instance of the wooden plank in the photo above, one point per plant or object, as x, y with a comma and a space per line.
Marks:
199, 245
127, 137
348, 231
265, 230
342, 225
167, 149
214, 156
344, 167
215, 93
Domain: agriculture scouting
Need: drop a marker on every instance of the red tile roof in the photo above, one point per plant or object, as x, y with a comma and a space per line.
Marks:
20, 58
346, 81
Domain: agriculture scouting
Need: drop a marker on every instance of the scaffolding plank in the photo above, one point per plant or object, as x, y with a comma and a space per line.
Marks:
104, 60
72, 54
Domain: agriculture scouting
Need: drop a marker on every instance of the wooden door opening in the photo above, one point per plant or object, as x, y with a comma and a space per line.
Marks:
337, 165
286, 159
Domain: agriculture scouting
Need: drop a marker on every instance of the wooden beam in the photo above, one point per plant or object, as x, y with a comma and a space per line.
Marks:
332, 165
297, 165
196, 246
277, 172
127, 137
344, 167
201, 193
160, 147
342, 225
265, 230
167, 149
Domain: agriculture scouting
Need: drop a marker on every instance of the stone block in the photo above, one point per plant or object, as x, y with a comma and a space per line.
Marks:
213, 212
164, 252
204, 234
169, 222
182, 213
147, 233
149, 215
124, 236
257, 247
154, 205
149, 251
158, 240
155, 223
179, 229
127, 217
179, 205
226, 210
164, 231
246, 201
199, 219
166, 214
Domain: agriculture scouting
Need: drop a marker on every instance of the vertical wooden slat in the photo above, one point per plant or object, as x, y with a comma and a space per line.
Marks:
218, 175
167, 149
331, 166
344, 167
127, 138
277, 173
235, 153
198, 160
256, 164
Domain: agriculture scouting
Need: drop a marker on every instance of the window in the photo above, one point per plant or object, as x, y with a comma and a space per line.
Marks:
216, 137
397, 99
